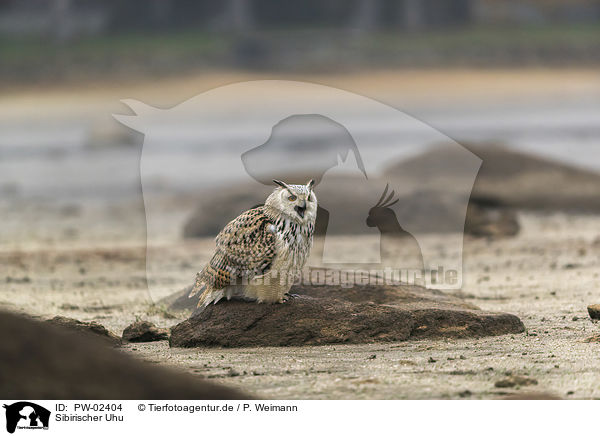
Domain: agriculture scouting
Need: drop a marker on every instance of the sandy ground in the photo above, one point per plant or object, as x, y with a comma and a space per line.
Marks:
85, 257
547, 276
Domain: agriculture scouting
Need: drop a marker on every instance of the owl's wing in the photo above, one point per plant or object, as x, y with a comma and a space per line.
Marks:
245, 248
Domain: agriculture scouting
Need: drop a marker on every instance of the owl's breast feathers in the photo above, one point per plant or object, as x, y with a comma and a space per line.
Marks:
245, 248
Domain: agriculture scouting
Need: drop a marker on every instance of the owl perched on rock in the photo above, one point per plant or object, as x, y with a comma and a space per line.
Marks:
260, 254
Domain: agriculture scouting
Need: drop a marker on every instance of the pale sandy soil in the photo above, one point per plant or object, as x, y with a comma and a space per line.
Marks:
86, 259
547, 276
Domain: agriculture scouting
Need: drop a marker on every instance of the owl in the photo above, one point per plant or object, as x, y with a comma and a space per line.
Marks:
261, 253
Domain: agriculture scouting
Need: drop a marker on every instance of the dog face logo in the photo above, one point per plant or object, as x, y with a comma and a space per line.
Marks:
26, 415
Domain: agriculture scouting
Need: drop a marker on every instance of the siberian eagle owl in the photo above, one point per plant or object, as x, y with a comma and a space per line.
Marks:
260, 253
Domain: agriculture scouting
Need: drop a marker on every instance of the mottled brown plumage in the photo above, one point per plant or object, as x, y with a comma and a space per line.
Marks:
261, 252
245, 248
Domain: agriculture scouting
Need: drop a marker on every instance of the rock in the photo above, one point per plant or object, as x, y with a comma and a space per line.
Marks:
431, 192
45, 361
422, 210
91, 327
594, 311
532, 396
331, 314
233, 373
144, 331
507, 178
515, 380
214, 212
491, 223
180, 302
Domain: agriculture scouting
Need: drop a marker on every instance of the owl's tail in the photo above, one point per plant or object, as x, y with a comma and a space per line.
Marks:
209, 293
210, 296
199, 286
214, 296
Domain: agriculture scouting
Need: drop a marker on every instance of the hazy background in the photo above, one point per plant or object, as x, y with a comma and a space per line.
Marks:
520, 73
50, 41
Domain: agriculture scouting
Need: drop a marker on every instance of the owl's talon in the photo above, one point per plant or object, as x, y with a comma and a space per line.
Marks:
287, 297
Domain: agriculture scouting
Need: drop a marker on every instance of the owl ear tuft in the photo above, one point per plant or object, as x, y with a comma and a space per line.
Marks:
282, 184
310, 184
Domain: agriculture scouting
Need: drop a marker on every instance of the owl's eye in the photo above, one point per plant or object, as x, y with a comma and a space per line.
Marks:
292, 198
310, 197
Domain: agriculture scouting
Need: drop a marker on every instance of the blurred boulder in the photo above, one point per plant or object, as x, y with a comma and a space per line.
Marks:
532, 396
144, 331
515, 380
425, 211
594, 311
215, 211
44, 361
86, 328
491, 223
507, 178
431, 191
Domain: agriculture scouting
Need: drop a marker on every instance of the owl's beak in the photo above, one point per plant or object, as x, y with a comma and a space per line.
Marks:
300, 210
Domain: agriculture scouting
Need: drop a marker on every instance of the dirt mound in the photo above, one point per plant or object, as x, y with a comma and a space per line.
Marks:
215, 211
180, 302
86, 328
507, 178
43, 361
144, 331
332, 314
482, 222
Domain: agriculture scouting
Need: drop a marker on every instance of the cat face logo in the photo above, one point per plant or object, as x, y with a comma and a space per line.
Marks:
26, 415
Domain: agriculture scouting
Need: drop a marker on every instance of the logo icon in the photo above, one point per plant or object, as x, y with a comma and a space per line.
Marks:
215, 155
26, 415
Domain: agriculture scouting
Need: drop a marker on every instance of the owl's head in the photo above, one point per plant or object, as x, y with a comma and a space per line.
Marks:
297, 202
